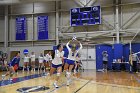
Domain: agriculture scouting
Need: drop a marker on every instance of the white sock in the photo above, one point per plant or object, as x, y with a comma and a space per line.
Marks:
68, 76
55, 82
3, 75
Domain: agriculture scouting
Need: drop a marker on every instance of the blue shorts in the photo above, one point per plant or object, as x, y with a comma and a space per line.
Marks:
45, 61
56, 66
9, 65
70, 62
65, 60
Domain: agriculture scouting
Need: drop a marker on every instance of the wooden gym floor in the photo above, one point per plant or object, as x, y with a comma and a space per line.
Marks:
88, 81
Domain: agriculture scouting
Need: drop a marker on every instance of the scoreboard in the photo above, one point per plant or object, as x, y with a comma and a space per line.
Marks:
85, 16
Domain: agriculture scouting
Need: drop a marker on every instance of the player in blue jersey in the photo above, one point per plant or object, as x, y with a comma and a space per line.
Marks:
12, 66
71, 57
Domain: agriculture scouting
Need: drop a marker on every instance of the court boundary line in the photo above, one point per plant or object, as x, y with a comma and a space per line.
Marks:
113, 85
83, 86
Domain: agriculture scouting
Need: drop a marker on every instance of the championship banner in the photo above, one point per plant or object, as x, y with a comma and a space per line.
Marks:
42, 27
21, 28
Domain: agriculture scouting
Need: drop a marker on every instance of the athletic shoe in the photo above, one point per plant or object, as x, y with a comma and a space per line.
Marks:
3, 76
10, 79
17, 73
48, 74
55, 85
68, 82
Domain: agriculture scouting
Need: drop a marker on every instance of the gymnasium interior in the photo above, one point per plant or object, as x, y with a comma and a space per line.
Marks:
101, 26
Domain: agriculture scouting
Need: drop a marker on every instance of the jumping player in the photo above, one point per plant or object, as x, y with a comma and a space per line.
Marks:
71, 58
57, 63
12, 66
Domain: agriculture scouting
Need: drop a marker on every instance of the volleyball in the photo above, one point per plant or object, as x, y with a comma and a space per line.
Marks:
74, 43
74, 38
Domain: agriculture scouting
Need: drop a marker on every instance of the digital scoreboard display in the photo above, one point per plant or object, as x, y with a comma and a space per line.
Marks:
85, 16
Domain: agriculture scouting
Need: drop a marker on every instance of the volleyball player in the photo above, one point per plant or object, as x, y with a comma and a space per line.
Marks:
77, 64
41, 60
50, 57
105, 60
12, 66
26, 62
32, 56
71, 58
5, 62
47, 61
135, 59
57, 63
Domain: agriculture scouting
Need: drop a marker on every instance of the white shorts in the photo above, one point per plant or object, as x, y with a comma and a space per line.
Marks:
26, 62
5, 62
32, 60
46, 60
40, 61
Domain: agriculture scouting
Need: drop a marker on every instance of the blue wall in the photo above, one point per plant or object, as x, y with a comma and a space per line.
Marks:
118, 51
126, 51
99, 57
136, 47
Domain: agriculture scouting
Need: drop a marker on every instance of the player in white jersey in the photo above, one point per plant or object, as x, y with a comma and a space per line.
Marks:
77, 63
32, 56
71, 58
50, 56
26, 62
41, 60
5, 62
57, 63
47, 61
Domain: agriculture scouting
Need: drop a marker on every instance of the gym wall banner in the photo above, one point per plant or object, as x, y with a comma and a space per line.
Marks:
21, 28
42, 27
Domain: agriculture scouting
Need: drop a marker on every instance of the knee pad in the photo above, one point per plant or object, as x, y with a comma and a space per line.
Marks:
68, 74
58, 74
